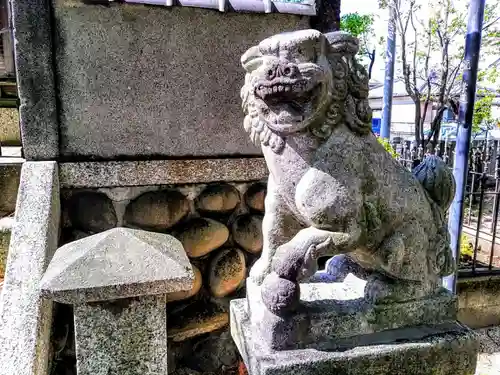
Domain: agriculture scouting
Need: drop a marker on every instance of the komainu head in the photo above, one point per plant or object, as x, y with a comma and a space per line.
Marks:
304, 81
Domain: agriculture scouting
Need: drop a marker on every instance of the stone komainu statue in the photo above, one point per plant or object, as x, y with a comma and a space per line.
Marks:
333, 190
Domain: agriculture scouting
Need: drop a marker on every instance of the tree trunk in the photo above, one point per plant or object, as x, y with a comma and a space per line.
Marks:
436, 125
372, 61
328, 16
418, 123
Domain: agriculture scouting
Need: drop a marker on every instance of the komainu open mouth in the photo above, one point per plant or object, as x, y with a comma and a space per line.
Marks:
287, 100
283, 89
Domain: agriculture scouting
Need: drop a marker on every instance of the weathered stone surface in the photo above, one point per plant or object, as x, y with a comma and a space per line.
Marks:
247, 232
333, 315
218, 198
479, 301
201, 318
334, 191
91, 212
198, 107
280, 296
25, 317
227, 271
200, 236
10, 134
197, 283
32, 35
446, 350
215, 352
10, 176
138, 173
126, 337
332, 188
6, 225
157, 210
123, 263
255, 196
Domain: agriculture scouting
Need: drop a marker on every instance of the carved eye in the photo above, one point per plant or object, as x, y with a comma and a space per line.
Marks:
287, 71
270, 74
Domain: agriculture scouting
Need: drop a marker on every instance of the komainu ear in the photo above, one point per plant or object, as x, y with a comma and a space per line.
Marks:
342, 42
251, 59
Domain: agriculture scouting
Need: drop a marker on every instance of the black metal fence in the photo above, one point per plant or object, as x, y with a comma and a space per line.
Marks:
480, 245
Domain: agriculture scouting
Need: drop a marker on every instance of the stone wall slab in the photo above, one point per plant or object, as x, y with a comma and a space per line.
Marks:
25, 318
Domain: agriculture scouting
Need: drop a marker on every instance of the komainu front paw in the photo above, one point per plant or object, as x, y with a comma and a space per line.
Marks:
260, 270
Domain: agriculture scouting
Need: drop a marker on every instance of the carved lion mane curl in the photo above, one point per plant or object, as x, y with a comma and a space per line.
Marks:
345, 100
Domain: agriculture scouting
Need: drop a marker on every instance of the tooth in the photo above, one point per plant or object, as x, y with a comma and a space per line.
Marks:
275, 89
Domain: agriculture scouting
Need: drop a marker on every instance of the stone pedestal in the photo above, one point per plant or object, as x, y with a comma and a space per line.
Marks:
126, 336
335, 331
117, 281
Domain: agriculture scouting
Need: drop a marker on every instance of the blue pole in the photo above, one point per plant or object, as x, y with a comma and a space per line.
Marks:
390, 51
464, 131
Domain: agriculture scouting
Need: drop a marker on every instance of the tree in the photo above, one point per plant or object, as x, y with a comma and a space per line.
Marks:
430, 54
361, 26
483, 116
328, 18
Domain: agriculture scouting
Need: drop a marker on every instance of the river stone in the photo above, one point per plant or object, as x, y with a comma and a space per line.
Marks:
218, 198
177, 296
214, 352
255, 196
200, 236
199, 319
186, 371
157, 210
247, 232
91, 212
227, 271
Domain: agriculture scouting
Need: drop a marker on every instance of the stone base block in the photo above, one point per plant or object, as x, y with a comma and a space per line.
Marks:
445, 349
123, 337
339, 311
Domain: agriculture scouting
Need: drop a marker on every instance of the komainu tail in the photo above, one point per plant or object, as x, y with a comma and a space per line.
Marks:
438, 181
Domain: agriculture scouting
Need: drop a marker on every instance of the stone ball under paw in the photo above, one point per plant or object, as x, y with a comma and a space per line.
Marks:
280, 295
289, 261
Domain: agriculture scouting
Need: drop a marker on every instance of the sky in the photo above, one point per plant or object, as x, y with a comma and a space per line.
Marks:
379, 26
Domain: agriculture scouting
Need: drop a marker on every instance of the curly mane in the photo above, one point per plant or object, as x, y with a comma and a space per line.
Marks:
348, 103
